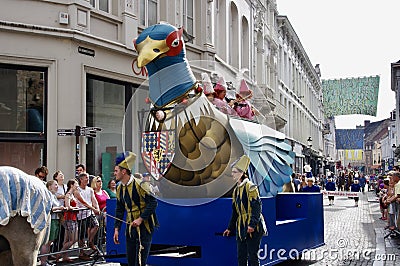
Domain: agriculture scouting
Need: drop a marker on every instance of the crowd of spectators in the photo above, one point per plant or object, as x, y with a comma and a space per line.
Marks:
78, 210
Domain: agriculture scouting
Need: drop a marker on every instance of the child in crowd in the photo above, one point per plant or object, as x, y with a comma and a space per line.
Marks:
52, 186
70, 221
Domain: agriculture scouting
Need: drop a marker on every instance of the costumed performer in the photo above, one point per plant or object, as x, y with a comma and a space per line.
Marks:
219, 98
242, 106
134, 198
246, 215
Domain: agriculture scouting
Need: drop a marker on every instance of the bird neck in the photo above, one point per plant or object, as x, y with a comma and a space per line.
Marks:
168, 81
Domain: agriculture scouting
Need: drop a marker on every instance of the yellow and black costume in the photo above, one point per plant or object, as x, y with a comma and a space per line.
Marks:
246, 212
246, 209
135, 198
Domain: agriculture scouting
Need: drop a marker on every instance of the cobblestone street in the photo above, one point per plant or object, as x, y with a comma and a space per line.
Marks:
353, 235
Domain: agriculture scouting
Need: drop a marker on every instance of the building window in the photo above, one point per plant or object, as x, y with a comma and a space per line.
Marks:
188, 17
113, 106
22, 116
148, 12
103, 5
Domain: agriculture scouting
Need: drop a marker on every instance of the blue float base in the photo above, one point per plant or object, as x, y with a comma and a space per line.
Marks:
192, 235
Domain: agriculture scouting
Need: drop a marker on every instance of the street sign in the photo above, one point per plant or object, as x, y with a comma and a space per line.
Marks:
91, 128
79, 131
65, 132
89, 132
86, 51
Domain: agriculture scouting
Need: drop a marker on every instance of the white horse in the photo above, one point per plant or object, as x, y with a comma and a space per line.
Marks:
25, 205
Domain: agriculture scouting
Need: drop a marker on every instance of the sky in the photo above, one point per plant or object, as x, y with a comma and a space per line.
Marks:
349, 38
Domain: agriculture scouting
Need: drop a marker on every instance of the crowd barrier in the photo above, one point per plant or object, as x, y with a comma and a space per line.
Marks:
94, 250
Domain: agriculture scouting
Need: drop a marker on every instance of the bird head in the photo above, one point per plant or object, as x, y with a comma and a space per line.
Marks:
161, 50
159, 41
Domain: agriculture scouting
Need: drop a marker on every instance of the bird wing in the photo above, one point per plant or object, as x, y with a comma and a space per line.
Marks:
270, 155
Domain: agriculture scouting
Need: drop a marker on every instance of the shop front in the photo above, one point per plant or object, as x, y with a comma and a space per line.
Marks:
56, 85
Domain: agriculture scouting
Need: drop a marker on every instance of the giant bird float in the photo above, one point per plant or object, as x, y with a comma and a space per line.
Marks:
188, 145
208, 140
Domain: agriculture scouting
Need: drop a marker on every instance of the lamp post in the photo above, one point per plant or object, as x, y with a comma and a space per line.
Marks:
393, 157
309, 145
309, 142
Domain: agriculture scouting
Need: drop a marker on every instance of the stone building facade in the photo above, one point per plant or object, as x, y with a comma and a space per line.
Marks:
70, 64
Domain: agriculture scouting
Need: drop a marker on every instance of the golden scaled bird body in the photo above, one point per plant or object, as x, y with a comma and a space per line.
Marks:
206, 145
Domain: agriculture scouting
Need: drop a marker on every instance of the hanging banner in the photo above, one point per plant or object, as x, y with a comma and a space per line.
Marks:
349, 139
351, 96
353, 155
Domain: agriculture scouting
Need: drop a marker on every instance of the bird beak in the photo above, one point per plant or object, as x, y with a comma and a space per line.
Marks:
150, 49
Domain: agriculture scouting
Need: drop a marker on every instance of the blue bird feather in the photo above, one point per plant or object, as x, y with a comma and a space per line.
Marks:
269, 154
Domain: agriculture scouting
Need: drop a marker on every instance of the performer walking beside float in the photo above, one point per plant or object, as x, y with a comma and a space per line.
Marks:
246, 215
135, 198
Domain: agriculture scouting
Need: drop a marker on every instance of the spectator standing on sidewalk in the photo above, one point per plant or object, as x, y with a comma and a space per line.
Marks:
60, 194
391, 205
112, 188
296, 182
100, 194
87, 222
310, 186
303, 183
70, 220
42, 173
395, 177
355, 187
382, 195
55, 221
330, 186
80, 168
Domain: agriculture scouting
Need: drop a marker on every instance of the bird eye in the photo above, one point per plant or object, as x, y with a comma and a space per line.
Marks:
175, 43
156, 50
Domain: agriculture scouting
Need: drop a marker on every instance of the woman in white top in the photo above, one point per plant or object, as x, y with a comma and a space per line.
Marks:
62, 188
86, 220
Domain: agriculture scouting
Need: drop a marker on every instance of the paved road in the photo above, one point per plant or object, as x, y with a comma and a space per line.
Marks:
353, 236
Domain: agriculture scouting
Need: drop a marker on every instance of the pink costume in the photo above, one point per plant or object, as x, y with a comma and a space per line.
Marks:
220, 92
243, 109
224, 107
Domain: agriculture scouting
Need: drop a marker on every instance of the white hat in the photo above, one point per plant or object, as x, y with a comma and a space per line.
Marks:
206, 82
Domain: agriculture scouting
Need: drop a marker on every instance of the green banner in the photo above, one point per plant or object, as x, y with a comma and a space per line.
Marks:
351, 96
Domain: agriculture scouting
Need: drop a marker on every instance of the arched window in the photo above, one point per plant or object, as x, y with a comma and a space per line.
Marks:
221, 41
245, 44
234, 53
260, 59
